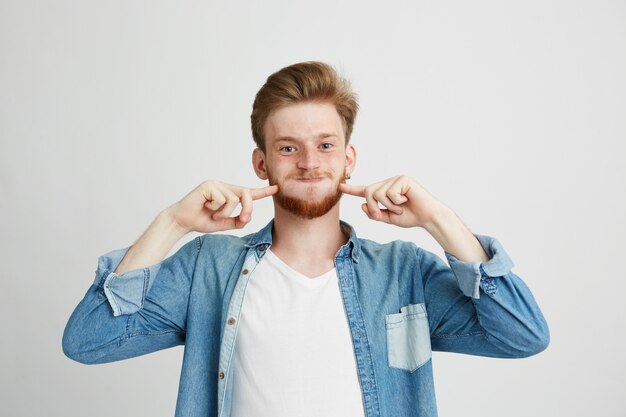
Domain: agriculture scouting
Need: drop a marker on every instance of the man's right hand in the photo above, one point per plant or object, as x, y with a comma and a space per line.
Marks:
208, 207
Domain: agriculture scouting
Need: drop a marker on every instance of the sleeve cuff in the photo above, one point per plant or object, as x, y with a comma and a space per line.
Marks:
126, 293
471, 276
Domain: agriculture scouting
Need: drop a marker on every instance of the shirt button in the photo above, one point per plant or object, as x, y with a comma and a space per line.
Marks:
221, 375
262, 248
245, 271
231, 321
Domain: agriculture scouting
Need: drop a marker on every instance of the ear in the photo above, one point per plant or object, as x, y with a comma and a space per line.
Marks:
258, 163
350, 159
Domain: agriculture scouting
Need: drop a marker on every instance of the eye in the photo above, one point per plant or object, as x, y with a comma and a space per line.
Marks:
288, 149
327, 145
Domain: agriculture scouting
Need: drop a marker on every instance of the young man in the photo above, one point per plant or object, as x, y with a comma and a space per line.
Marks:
303, 318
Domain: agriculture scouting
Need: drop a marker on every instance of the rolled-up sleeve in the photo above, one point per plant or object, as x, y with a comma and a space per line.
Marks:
472, 276
481, 308
126, 293
137, 312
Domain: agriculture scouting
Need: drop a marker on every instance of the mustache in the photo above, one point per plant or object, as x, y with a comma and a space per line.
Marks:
310, 175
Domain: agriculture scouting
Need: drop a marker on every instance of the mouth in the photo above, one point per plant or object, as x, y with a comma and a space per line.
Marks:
316, 179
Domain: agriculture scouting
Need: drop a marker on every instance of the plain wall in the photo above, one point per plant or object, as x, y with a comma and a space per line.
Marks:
511, 113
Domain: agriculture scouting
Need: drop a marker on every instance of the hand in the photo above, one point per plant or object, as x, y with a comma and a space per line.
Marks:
407, 204
208, 207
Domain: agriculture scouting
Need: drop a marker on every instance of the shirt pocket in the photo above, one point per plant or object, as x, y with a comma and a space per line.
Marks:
408, 337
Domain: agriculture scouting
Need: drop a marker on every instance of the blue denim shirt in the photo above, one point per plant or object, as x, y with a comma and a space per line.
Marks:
401, 302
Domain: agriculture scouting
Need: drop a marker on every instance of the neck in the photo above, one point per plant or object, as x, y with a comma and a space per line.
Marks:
316, 239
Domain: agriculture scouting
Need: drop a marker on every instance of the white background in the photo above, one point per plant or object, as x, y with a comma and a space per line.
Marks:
511, 113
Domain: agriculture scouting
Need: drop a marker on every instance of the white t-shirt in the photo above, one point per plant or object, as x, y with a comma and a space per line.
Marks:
293, 353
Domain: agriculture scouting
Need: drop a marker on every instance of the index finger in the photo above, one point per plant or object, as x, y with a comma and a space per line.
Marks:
258, 193
357, 190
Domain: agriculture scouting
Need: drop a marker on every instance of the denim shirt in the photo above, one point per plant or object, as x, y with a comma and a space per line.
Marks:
401, 302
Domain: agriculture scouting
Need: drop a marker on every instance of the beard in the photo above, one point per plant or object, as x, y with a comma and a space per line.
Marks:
304, 208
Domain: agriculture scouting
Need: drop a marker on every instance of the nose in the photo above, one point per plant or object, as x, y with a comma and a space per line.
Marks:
309, 159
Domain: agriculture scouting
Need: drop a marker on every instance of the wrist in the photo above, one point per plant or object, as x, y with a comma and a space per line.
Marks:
454, 237
441, 216
167, 218
153, 245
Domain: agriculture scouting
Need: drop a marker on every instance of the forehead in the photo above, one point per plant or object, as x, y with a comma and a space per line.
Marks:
303, 121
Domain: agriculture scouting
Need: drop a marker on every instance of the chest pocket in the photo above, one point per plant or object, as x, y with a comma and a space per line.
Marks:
408, 337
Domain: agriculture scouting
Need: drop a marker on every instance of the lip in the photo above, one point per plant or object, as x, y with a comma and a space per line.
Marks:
310, 179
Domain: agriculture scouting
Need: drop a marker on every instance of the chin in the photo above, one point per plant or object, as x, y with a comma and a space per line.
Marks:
308, 208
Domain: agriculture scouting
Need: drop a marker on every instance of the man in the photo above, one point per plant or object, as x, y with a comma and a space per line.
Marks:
303, 318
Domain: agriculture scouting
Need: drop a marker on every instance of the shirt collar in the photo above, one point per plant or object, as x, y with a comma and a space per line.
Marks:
351, 248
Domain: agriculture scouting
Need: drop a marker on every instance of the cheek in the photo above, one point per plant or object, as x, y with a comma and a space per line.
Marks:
338, 162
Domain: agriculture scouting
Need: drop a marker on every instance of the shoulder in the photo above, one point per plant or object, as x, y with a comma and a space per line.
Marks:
222, 241
223, 248
371, 248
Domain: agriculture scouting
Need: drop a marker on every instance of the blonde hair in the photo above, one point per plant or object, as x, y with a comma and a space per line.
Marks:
302, 82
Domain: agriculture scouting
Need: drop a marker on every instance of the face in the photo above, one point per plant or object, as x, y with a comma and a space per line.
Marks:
306, 156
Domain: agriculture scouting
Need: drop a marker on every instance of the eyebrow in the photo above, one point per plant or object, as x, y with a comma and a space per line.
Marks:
291, 138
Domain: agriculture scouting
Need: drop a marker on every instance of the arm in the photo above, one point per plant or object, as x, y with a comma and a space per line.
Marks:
481, 308
506, 322
140, 311
138, 301
454, 237
205, 209
153, 244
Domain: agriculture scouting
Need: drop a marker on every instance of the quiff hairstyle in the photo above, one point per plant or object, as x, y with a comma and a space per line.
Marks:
303, 82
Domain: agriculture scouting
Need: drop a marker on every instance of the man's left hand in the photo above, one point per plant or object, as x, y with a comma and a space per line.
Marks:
407, 203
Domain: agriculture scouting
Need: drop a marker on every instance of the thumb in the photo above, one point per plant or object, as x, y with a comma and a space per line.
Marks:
384, 214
